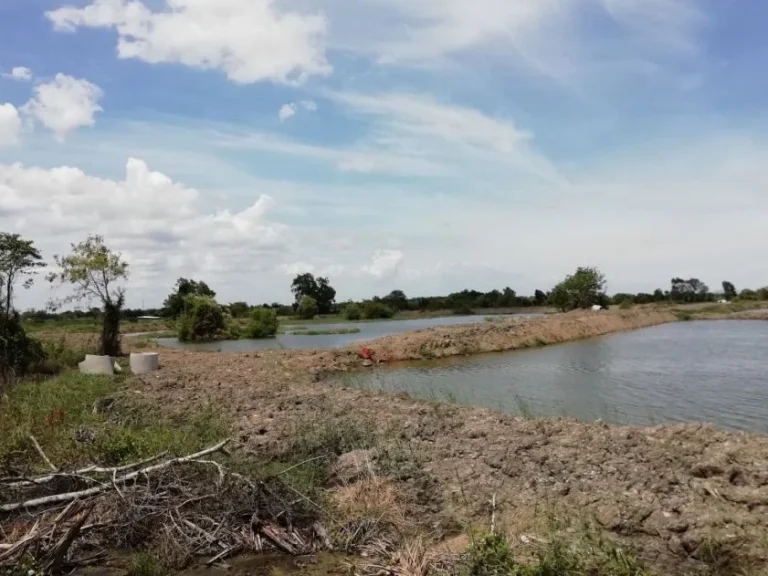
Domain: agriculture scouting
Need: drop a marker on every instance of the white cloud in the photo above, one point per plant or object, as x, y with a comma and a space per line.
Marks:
64, 104
164, 228
287, 111
250, 40
10, 125
385, 264
19, 73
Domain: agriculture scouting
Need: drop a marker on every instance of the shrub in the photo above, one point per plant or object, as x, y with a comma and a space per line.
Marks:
625, 305
353, 312
489, 556
307, 308
203, 319
374, 310
19, 354
263, 323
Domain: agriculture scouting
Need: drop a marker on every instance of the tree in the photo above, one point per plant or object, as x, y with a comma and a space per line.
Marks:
307, 308
352, 311
18, 257
729, 290
396, 299
94, 270
174, 304
203, 319
691, 290
583, 289
239, 309
319, 290
539, 298
263, 323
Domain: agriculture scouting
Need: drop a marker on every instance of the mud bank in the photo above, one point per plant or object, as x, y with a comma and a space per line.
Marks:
674, 494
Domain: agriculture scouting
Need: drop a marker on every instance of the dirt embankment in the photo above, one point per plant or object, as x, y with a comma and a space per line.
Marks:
678, 495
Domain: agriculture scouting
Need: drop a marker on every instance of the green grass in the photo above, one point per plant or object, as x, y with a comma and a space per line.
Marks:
60, 413
92, 326
325, 332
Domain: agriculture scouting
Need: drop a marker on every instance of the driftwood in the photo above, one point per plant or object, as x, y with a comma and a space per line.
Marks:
186, 506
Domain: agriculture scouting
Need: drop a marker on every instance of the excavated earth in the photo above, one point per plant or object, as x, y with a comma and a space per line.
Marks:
676, 495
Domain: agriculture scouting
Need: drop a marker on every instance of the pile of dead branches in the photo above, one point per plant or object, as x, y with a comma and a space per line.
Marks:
185, 507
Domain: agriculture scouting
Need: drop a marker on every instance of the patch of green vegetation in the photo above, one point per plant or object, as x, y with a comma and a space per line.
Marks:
78, 418
588, 553
683, 315
145, 564
325, 332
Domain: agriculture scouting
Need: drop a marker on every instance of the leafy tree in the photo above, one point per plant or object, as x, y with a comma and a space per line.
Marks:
239, 309
729, 290
691, 290
658, 295
320, 290
174, 304
202, 320
93, 270
19, 354
373, 310
307, 308
539, 298
263, 323
583, 289
396, 299
18, 257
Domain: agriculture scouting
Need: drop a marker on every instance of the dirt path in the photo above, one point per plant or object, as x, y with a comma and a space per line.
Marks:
676, 494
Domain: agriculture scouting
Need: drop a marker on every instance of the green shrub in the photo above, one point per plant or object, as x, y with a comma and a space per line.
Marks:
625, 305
203, 319
307, 308
19, 354
489, 556
353, 312
59, 356
263, 323
374, 310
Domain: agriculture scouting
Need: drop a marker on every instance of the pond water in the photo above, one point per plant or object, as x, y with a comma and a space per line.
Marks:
368, 331
714, 371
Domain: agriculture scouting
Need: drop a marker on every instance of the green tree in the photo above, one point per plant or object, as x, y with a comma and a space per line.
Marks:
174, 304
239, 309
583, 289
202, 320
396, 299
352, 311
18, 257
691, 290
320, 290
729, 290
263, 323
539, 298
307, 308
94, 271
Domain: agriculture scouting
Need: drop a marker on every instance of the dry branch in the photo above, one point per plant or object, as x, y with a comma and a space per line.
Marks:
42, 454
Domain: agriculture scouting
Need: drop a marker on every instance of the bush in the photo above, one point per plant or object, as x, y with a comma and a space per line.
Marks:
263, 324
19, 354
375, 310
625, 305
353, 312
203, 319
307, 308
490, 556
583, 289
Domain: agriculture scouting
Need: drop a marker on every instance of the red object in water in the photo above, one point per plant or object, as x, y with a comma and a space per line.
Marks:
366, 354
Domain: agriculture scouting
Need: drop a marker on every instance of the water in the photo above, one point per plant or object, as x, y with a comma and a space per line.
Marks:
713, 371
368, 331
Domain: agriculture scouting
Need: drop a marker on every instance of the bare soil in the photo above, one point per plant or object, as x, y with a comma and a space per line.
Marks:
680, 496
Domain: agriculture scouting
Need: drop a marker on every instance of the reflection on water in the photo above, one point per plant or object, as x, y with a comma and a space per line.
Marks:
688, 371
368, 331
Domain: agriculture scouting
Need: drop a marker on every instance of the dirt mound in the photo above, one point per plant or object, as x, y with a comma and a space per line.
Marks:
678, 495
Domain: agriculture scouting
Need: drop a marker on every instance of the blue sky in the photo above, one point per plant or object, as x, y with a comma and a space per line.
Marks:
425, 145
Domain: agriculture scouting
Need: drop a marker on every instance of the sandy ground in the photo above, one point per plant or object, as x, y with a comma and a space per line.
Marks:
675, 494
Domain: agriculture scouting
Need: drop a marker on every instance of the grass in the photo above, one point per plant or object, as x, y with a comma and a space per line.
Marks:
79, 418
145, 564
93, 325
325, 332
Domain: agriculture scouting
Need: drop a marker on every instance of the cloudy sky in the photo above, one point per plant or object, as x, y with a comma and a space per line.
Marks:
424, 145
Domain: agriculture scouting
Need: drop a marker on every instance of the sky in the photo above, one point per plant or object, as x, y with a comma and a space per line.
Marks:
421, 145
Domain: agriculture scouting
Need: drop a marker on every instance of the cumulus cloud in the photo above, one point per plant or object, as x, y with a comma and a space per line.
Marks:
250, 40
163, 227
385, 264
10, 125
64, 104
19, 73
289, 110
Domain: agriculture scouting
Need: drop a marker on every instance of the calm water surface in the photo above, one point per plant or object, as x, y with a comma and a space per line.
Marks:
368, 331
687, 371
